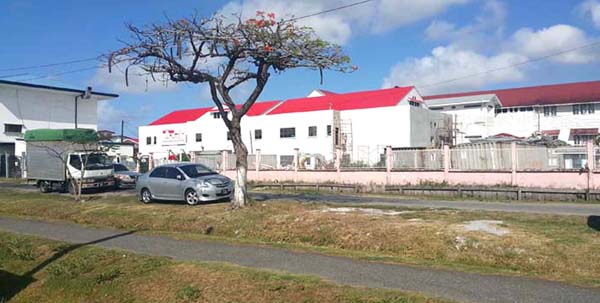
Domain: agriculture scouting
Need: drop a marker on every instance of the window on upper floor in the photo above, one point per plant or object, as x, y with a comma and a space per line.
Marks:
258, 134
549, 111
229, 136
217, 115
287, 132
472, 106
312, 131
583, 109
329, 130
582, 139
437, 108
148, 140
198, 137
154, 139
414, 103
13, 128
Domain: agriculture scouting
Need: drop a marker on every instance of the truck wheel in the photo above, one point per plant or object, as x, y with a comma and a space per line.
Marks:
45, 186
146, 196
71, 187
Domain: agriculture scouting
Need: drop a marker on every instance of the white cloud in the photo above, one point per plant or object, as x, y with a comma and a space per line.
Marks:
449, 62
338, 26
591, 9
115, 81
551, 40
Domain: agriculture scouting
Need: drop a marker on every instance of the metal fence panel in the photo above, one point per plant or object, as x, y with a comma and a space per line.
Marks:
268, 161
431, 159
481, 157
211, 161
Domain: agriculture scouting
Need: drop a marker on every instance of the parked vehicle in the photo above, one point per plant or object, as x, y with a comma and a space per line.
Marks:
124, 178
189, 182
58, 159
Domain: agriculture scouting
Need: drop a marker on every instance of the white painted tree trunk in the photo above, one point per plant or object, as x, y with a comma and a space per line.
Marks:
239, 199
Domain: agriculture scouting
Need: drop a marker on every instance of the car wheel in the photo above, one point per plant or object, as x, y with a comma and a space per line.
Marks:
191, 197
146, 196
45, 186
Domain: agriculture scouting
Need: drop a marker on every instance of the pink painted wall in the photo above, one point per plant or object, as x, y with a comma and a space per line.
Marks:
523, 179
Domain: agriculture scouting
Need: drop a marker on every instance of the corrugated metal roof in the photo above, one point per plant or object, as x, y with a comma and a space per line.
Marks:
565, 93
349, 101
459, 100
186, 115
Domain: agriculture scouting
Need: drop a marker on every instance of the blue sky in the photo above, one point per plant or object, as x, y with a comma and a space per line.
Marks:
393, 42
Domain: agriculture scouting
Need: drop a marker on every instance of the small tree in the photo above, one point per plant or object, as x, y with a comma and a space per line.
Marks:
226, 54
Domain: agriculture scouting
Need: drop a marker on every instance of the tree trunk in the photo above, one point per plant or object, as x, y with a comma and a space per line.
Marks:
241, 165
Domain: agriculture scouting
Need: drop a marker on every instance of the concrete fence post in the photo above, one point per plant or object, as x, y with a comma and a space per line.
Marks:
257, 163
296, 164
23, 165
150, 161
224, 160
513, 160
446, 155
338, 164
388, 165
137, 163
6, 162
591, 163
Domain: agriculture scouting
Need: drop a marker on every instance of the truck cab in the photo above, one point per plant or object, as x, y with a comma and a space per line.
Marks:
96, 167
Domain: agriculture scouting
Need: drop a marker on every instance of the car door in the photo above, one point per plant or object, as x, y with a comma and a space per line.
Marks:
172, 183
155, 182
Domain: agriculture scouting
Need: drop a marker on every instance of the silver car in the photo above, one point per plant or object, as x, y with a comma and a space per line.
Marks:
189, 182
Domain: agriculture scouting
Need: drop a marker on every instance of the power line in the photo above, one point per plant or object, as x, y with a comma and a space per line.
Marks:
50, 64
63, 73
330, 10
13, 75
515, 65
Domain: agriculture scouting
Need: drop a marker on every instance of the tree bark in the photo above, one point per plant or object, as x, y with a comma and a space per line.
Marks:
241, 161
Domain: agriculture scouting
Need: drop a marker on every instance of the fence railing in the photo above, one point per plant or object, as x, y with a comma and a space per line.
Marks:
475, 157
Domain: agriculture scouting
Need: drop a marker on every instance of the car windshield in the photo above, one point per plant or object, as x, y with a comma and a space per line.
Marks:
120, 167
196, 170
96, 161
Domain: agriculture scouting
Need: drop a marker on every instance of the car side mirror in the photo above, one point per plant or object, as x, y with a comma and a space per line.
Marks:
179, 177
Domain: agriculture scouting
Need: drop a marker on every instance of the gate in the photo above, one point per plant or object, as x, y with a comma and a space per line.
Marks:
10, 166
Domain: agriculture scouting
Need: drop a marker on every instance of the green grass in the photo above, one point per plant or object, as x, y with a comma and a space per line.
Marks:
90, 274
561, 248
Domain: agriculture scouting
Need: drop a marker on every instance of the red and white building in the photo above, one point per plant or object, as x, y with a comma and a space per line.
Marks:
569, 112
361, 124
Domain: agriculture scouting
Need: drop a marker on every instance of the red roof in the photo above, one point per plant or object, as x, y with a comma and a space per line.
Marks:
583, 131
551, 132
349, 101
578, 92
181, 116
186, 115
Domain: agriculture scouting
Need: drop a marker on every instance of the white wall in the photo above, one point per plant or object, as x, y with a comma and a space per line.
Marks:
37, 108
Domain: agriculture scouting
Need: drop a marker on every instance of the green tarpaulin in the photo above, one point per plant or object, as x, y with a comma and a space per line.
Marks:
80, 135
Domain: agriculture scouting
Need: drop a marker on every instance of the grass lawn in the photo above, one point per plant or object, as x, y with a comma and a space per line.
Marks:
561, 248
36, 270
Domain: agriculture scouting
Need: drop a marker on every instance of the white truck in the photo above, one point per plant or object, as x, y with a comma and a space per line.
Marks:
61, 159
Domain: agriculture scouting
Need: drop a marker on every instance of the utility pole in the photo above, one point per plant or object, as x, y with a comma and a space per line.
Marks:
122, 125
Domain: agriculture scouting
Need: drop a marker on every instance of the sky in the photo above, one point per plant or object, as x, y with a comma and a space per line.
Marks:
439, 46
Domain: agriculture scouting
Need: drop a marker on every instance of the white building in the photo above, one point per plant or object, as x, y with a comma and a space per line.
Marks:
361, 124
25, 106
569, 112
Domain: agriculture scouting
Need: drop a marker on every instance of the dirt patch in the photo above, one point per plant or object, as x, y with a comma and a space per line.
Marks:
487, 226
367, 211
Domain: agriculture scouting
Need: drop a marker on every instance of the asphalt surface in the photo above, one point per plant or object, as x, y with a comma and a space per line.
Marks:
549, 208
465, 287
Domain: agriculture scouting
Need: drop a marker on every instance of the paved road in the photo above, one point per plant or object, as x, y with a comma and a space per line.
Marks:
459, 286
577, 209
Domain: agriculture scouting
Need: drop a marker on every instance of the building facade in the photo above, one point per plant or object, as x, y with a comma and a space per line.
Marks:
25, 106
569, 112
359, 124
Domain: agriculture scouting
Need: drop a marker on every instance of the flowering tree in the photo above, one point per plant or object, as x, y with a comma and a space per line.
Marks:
226, 54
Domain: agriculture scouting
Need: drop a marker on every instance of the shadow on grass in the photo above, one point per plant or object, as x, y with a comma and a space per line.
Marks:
12, 284
594, 222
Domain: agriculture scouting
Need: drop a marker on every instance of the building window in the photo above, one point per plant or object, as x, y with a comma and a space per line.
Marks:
336, 139
549, 111
582, 109
436, 108
472, 106
312, 131
582, 139
258, 134
198, 137
228, 136
216, 115
287, 132
148, 140
415, 104
13, 128
154, 139
328, 130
